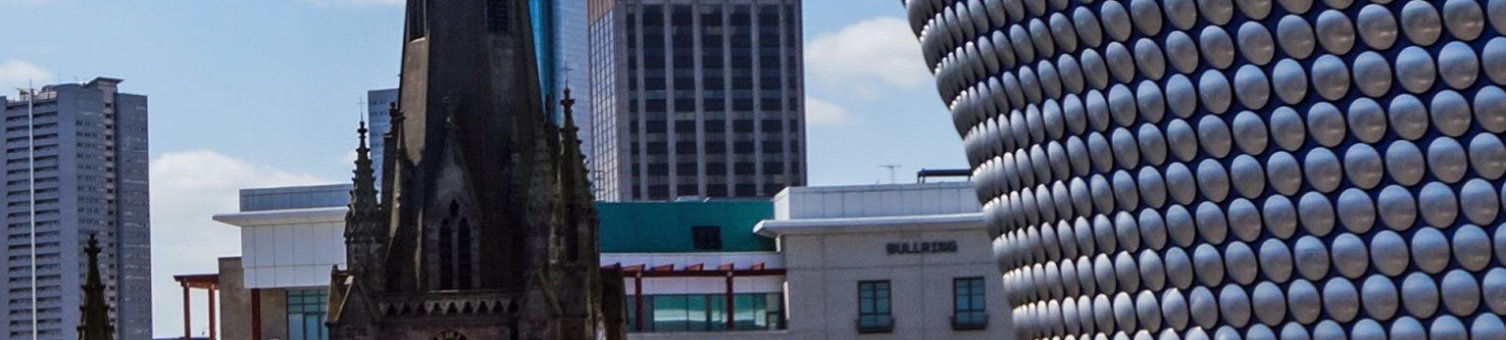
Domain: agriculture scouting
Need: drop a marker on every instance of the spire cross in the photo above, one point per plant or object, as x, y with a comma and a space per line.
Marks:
361, 109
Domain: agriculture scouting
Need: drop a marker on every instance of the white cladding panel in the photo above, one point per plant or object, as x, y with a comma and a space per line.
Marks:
875, 201
291, 255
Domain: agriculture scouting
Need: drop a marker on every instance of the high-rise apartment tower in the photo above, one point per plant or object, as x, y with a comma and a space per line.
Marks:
89, 142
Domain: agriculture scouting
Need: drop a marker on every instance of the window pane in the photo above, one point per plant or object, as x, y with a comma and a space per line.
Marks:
312, 325
670, 314
632, 314
305, 314
717, 312
744, 313
696, 313
295, 327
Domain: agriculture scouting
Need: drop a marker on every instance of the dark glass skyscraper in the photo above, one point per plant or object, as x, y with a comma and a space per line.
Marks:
378, 110
696, 98
1235, 168
90, 151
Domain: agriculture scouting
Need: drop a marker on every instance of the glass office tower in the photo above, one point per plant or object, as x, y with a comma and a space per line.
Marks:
696, 98
1235, 168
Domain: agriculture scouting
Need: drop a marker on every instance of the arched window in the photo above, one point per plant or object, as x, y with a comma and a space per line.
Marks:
464, 257
456, 251
446, 259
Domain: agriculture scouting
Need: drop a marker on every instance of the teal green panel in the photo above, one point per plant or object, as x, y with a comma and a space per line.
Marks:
664, 227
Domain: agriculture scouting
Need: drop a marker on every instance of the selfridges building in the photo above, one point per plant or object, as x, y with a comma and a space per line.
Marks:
1262, 169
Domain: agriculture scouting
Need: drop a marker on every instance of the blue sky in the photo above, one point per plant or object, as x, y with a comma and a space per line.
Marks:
266, 92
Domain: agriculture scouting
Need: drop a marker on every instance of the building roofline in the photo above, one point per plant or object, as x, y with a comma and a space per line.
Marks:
857, 225
104, 79
284, 216
693, 253
875, 187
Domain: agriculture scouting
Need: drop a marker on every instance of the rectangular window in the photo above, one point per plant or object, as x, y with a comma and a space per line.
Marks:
707, 237
658, 169
687, 190
658, 192
970, 310
745, 190
873, 307
306, 314
685, 126
743, 168
742, 125
743, 148
686, 169
716, 191
658, 148
772, 168
685, 149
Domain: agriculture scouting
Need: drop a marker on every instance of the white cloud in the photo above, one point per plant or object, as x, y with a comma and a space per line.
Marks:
878, 50
187, 189
821, 112
347, 159
16, 73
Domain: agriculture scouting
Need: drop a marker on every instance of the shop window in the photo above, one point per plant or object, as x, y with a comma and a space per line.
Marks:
873, 307
970, 310
707, 237
306, 314
706, 313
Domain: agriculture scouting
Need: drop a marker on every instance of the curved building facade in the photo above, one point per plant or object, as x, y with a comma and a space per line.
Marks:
1262, 169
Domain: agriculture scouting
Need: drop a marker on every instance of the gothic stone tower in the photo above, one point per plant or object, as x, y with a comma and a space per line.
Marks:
485, 228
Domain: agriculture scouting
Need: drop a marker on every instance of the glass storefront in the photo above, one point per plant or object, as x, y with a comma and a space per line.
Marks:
306, 314
707, 313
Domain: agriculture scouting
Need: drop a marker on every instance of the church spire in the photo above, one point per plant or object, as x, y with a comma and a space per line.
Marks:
577, 185
363, 197
94, 321
363, 222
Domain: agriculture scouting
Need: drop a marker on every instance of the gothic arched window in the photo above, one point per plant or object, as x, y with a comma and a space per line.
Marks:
456, 250
464, 257
446, 261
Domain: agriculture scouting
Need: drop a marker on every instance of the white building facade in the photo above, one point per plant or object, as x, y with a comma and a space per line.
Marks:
887, 262
290, 239
854, 262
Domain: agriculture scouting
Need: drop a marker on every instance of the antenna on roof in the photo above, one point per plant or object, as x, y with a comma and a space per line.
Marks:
891, 168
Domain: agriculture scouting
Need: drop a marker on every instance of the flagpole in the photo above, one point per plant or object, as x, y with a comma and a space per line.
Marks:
31, 179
